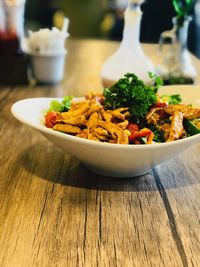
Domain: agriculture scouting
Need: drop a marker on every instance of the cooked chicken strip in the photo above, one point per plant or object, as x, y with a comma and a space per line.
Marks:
107, 116
152, 117
101, 133
76, 105
176, 126
82, 135
92, 125
76, 121
116, 132
94, 106
188, 112
66, 128
120, 113
93, 122
77, 112
123, 125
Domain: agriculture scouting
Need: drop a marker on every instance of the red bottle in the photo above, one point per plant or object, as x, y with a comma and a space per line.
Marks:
13, 65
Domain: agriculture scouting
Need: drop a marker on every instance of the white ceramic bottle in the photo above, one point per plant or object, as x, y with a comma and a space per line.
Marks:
129, 57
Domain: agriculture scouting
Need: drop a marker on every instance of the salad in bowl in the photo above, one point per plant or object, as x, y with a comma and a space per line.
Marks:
129, 112
123, 131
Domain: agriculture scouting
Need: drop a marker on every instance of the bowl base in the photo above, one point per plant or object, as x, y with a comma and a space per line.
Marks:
117, 174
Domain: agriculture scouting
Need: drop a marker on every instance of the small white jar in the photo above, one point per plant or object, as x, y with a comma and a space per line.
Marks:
48, 68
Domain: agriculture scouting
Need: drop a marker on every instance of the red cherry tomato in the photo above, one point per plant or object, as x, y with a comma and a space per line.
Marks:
132, 127
159, 105
50, 119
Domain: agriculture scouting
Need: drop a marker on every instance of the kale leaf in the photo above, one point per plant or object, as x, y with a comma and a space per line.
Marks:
61, 106
172, 99
158, 134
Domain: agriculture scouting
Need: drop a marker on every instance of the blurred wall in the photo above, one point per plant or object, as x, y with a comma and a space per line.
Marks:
85, 16
156, 18
39, 13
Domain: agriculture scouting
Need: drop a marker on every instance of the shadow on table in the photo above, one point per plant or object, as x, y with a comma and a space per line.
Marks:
45, 161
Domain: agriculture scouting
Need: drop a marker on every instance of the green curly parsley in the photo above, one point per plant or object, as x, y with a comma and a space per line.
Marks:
131, 92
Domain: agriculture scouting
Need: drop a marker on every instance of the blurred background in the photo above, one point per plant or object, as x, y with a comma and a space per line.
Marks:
103, 19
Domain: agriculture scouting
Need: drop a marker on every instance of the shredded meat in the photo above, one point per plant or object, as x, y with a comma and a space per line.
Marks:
123, 125
102, 134
107, 116
92, 125
176, 126
94, 106
152, 117
117, 133
120, 113
76, 112
66, 128
76, 121
188, 112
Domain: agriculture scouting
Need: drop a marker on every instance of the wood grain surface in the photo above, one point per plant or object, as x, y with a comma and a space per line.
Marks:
55, 212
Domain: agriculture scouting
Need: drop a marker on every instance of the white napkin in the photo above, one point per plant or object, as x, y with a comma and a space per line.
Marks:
46, 41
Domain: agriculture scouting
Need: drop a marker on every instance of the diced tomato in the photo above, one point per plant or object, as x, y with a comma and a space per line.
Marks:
138, 134
132, 127
50, 119
159, 105
145, 132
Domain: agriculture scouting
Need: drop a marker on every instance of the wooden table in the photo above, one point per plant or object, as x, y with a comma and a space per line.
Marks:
55, 212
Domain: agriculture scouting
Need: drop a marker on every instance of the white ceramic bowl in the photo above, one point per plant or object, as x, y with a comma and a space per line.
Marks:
103, 158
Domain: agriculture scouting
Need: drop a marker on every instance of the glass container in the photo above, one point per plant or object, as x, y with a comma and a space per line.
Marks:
176, 66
